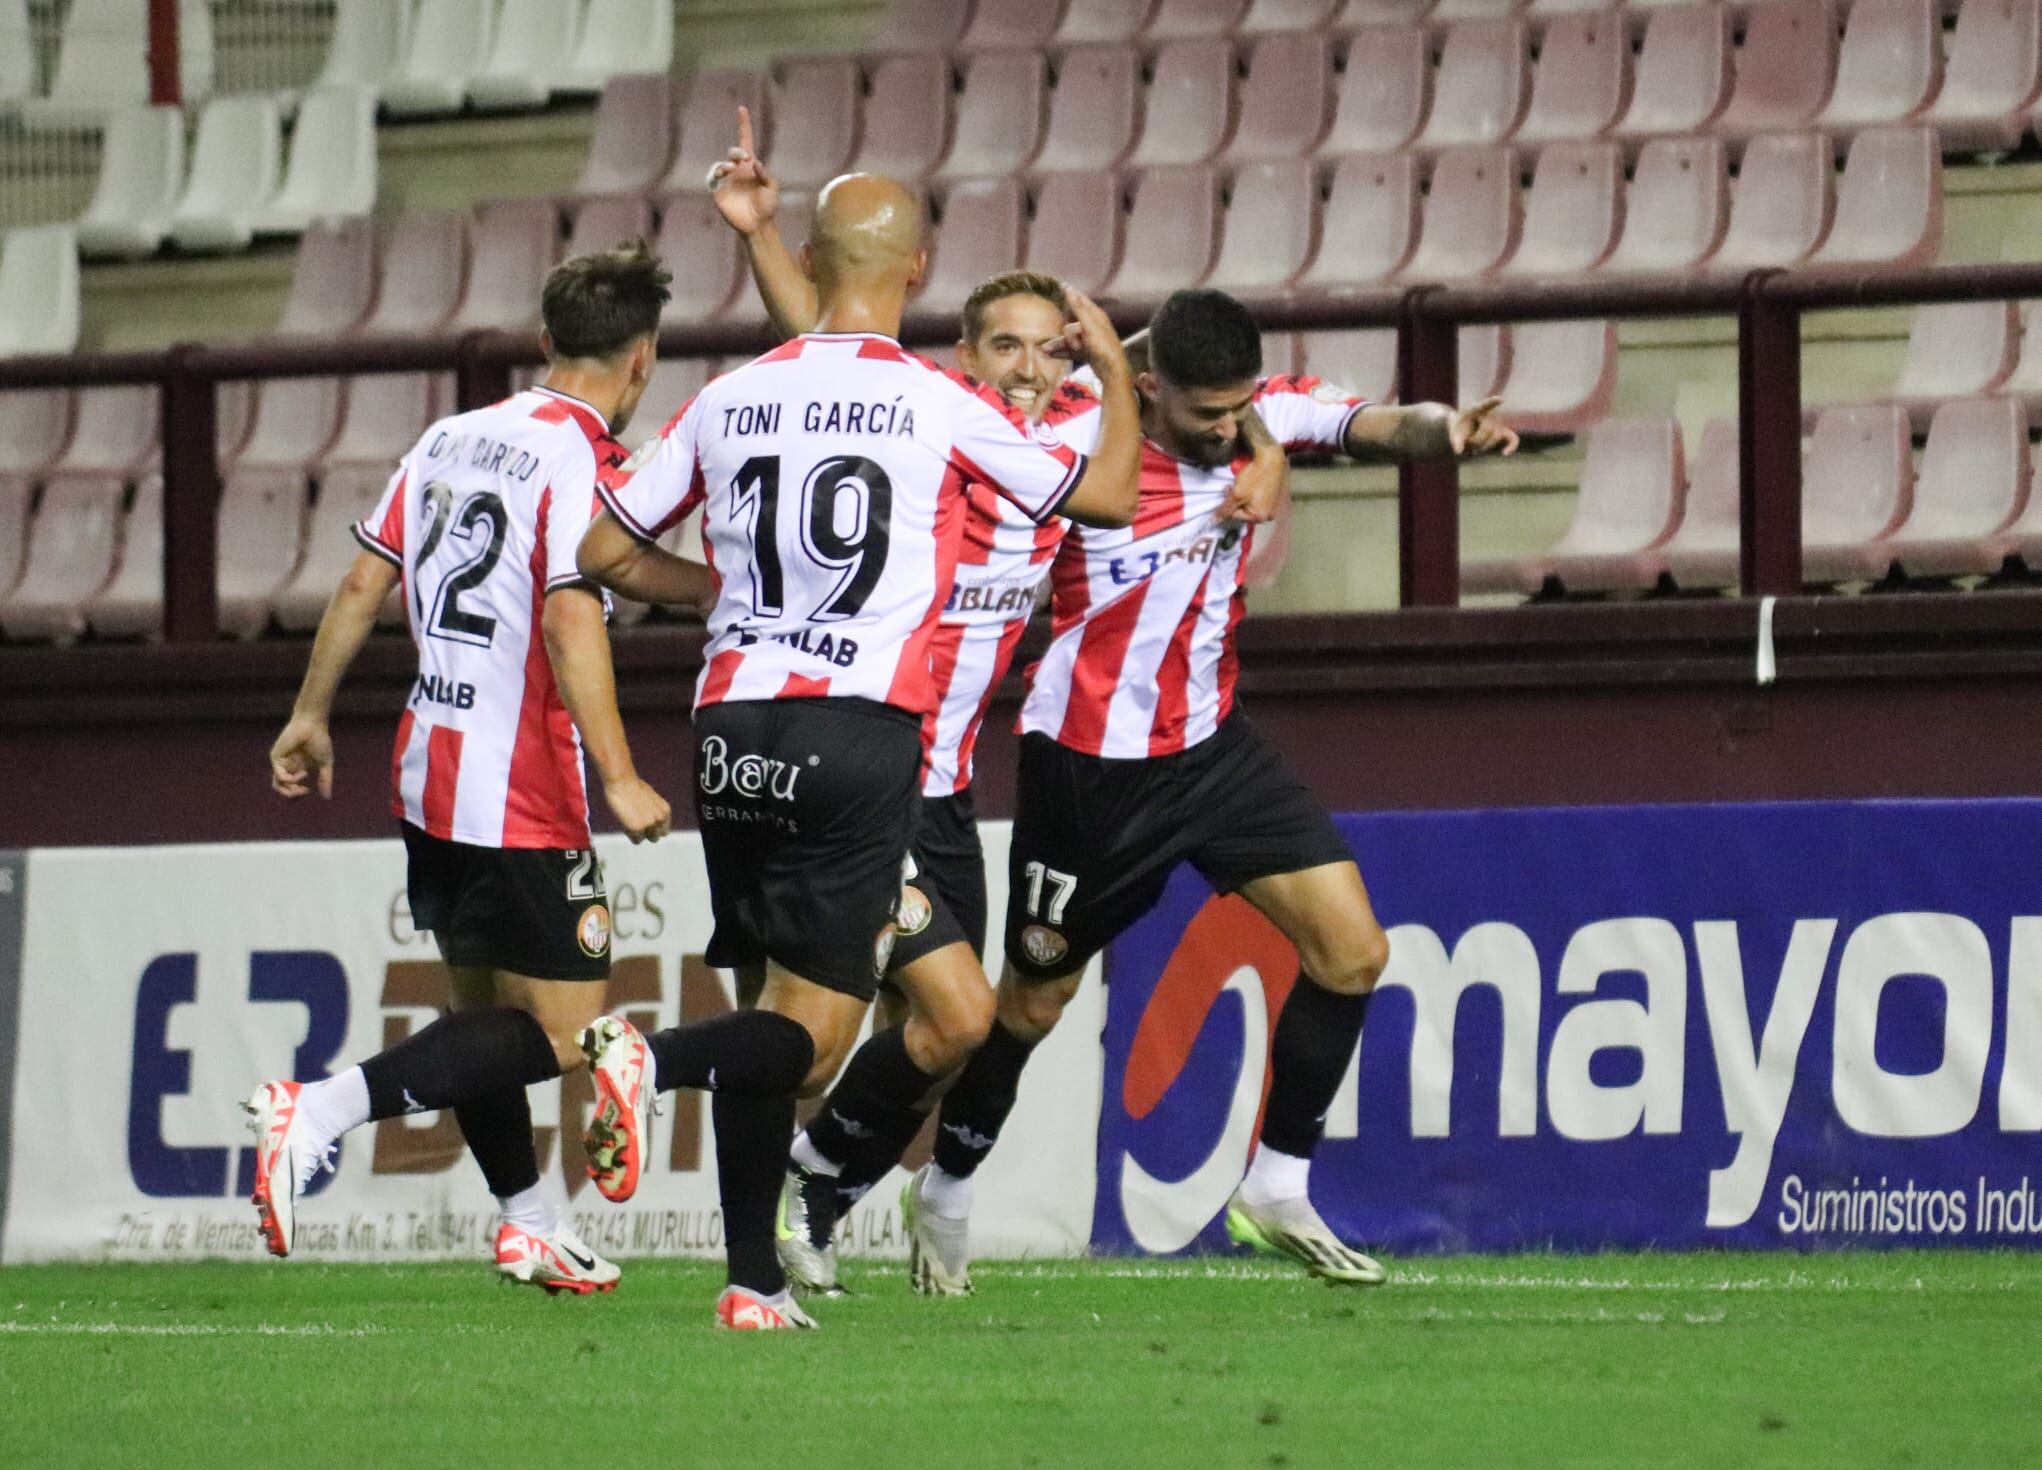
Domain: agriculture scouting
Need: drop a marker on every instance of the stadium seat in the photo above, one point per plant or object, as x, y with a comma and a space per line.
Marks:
1676, 208
294, 421
1356, 14
115, 432
103, 61
1362, 360
16, 491
674, 381
1702, 553
1782, 207
815, 120
141, 171
1279, 353
1172, 229
130, 604
619, 38
1000, 114
39, 305
1001, 27
35, 426
2025, 382
1272, 211
449, 45
708, 125
1482, 361
1955, 349
1786, 66
1075, 234
1370, 223
528, 53
1889, 206
703, 254
1562, 375
1478, 94
1582, 79
424, 272
723, 257
1451, 10
1890, 65
1092, 112
1265, 17
1470, 217
1570, 218
1176, 20
1633, 492
71, 547
1545, 8
262, 534
368, 43
234, 163
1972, 486
332, 168
907, 116
633, 140
603, 224
17, 84
347, 494
1382, 93
921, 25
2020, 544
1093, 22
1857, 486
1683, 73
333, 280
1188, 110
980, 237
383, 415
1991, 76
514, 245
1285, 101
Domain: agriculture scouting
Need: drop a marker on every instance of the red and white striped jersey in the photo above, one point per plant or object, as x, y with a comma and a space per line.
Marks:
1141, 660
1006, 557
831, 475
483, 518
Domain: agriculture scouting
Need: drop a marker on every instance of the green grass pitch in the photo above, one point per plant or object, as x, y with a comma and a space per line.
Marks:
1858, 1360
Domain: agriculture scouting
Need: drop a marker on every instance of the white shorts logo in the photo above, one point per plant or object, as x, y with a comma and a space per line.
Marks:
748, 775
915, 910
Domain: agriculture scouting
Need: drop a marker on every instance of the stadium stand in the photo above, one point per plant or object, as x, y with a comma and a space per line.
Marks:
39, 306
234, 165
1972, 483
1781, 211
922, 25
1702, 553
1187, 109
1856, 489
332, 168
1371, 210
619, 38
1571, 214
713, 99
103, 61
1176, 20
1562, 375
1171, 232
814, 106
1890, 65
1362, 359
1000, 27
1470, 217
1478, 93
633, 139
1889, 205
333, 280
141, 173
1957, 349
515, 242
1093, 114
1075, 235
906, 116
448, 47
423, 274
17, 57
1676, 208
368, 44
1683, 73
703, 255
999, 115
1991, 74
1285, 100
1786, 65
981, 236
1383, 92
1270, 217
1582, 79
528, 56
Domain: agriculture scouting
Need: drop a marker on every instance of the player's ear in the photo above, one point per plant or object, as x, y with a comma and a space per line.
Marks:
645, 358
806, 257
967, 357
918, 268
546, 343
1146, 382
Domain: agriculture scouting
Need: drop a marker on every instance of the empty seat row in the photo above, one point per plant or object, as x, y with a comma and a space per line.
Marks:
494, 54
102, 59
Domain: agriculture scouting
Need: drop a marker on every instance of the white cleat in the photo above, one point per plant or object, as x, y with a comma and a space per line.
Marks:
1291, 1227
939, 1246
560, 1261
741, 1309
620, 1064
805, 1233
284, 1161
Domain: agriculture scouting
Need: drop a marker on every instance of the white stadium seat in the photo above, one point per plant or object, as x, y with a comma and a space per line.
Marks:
450, 42
333, 162
535, 39
233, 173
368, 44
103, 60
17, 52
39, 290
141, 170
618, 38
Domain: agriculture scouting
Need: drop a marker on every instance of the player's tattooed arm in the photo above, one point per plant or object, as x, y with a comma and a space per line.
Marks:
1430, 431
1262, 487
748, 197
302, 757
610, 556
578, 647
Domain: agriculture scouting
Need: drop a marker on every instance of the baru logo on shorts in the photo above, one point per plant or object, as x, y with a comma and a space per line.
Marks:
882, 949
915, 910
1043, 946
592, 931
747, 775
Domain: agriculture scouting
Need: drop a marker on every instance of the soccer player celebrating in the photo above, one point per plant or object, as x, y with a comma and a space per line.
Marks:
480, 526
830, 474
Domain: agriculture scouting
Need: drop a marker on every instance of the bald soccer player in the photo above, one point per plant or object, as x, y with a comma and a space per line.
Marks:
830, 474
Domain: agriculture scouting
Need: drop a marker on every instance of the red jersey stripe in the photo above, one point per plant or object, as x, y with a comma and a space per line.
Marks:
798, 687
721, 674
1173, 679
442, 778
546, 804
1097, 674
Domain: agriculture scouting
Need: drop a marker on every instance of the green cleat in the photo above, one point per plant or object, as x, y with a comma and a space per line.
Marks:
1293, 1228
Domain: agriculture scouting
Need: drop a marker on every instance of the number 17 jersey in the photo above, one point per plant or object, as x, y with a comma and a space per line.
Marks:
831, 476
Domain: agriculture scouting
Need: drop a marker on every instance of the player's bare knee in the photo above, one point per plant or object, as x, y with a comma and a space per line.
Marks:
1353, 966
1030, 1009
941, 1038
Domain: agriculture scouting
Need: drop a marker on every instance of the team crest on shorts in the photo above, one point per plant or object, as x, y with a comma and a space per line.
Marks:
592, 931
882, 949
915, 910
1043, 946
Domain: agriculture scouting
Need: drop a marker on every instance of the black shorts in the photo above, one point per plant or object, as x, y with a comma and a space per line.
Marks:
944, 900
538, 911
1095, 839
807, 807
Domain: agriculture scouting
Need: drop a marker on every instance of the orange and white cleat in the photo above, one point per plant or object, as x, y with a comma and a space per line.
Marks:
559, 1261
743, 1310
621, 1065
284, 1160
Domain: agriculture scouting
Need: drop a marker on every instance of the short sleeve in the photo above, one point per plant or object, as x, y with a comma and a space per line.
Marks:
382, 530
1307, 413
661, 485
569, 509
1033, 471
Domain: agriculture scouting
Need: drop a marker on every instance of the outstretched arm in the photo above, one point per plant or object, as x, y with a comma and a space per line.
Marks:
302, 756
748, 197
610, 556
1429, 431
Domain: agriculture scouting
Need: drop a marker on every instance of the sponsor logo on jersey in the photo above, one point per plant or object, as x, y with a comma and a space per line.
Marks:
915, 911
718, 771
1043, 945
592, 930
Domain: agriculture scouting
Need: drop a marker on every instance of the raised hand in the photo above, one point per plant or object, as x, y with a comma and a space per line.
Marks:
746, 194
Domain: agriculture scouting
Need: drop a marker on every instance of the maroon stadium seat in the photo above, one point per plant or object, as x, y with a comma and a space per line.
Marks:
1972, 486
1075, 233
333, 280
1955, 349
1784, 193
516, 241
1677, 206
2021, 542
674, 381
425, 270
35, 425
1470, 215
1280, 353
998, 26
708, 125
1090, 22
1478, 94
1570, 218
1482, 361
1786, 66
1562, 375
797, 211
1267, 16
1092, 111
1362, 360
1176, 19
1382, 92
295, 419
603, 224
634, 136
71, 549
1890, 64
1683, 73
385, 414
1189, 104
2025, 383
815, 120
1286, 100
1272, 212
262, 533
1857, 486
1582, 79
347, 494
703, 254
921, 25
1991, 77
130, 605
980, 237
907, 116
1000, 115
1889, 207
1172, 228
1370, 223
1703, 552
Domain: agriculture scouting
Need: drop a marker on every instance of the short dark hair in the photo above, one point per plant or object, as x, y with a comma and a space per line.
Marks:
1012, 283
1204, 339
596, 305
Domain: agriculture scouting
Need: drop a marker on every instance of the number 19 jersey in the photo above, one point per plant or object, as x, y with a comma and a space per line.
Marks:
831, 476
483, 518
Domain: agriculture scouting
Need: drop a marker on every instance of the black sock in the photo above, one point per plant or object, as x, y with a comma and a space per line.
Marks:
753, 1135
867, 1160
874, 1099
498, 1127
459, 1058
753, 1053
978, 1103
1315, 1039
